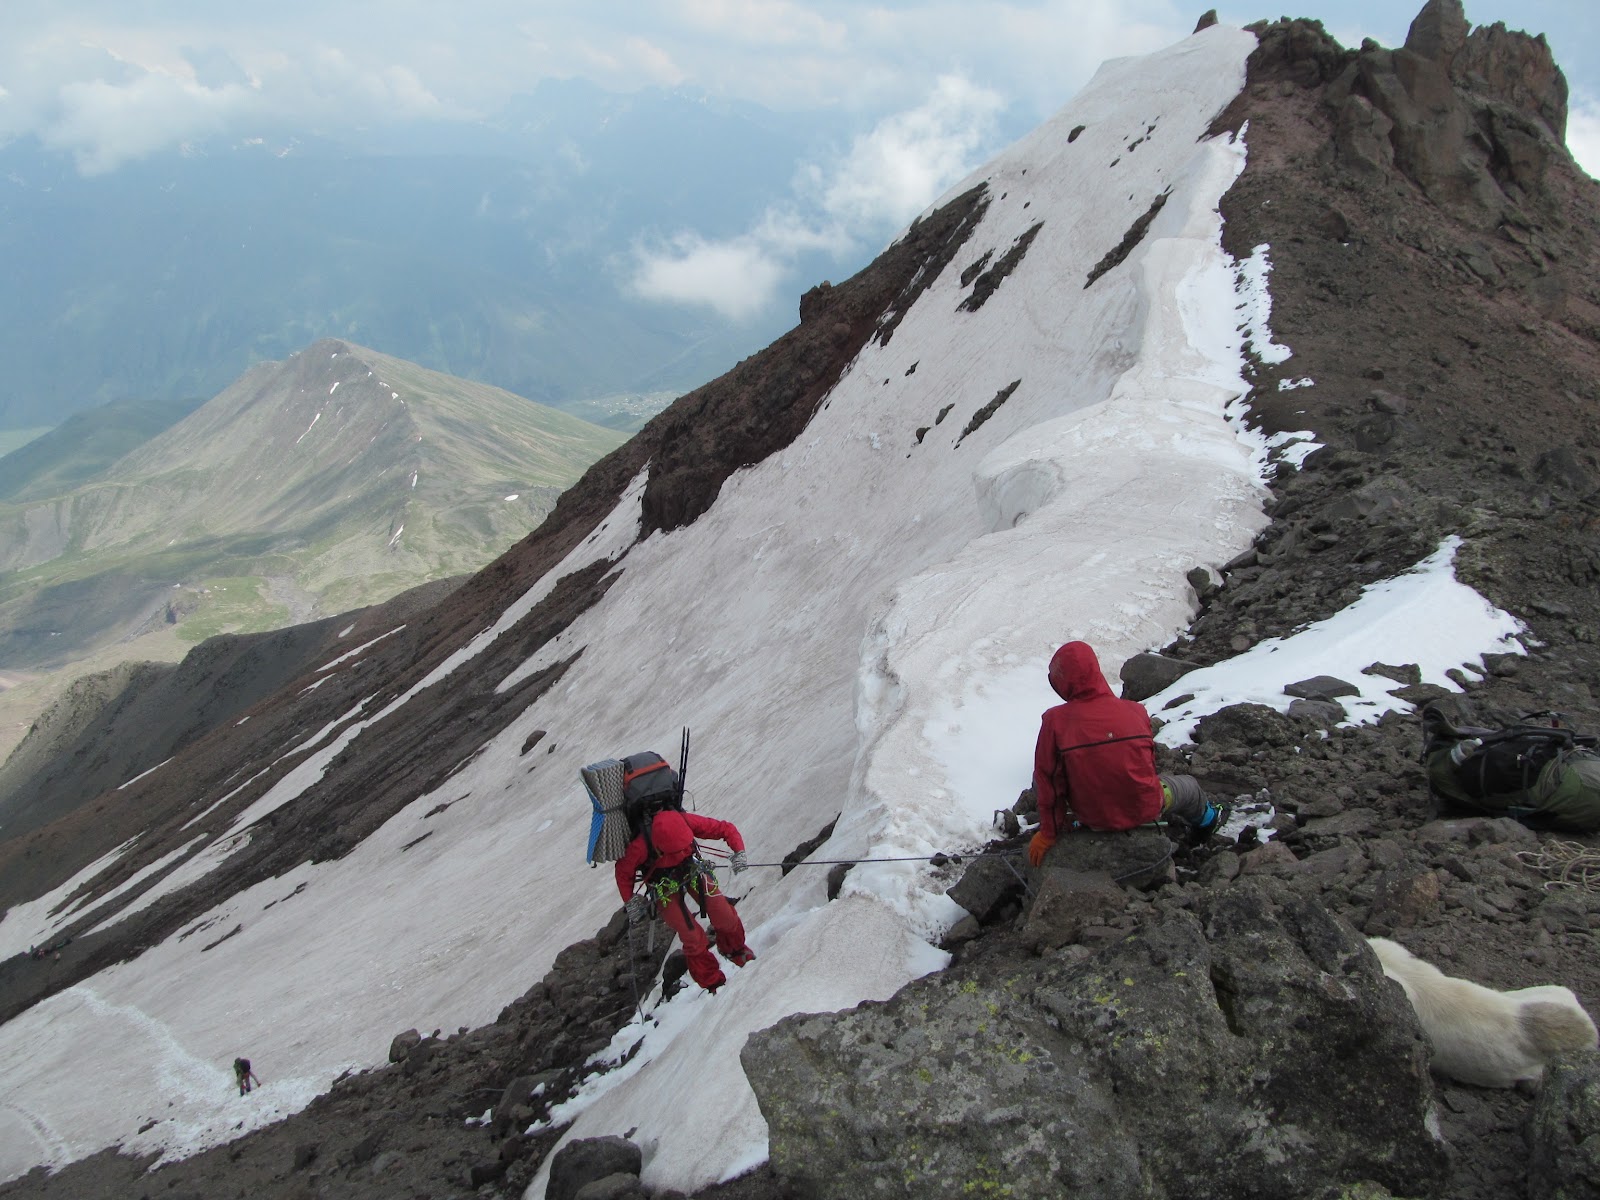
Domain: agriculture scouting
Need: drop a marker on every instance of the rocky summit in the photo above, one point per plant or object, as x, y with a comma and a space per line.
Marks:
1133, 1017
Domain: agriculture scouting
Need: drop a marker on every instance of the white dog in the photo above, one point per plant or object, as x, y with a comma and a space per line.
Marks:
1479, 1035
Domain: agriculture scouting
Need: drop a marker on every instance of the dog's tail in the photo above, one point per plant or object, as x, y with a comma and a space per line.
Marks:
1552, 1028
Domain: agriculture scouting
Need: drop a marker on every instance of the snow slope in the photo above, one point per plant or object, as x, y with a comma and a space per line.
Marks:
857, 627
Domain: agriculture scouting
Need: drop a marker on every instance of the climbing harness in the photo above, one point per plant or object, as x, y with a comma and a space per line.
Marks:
691, 877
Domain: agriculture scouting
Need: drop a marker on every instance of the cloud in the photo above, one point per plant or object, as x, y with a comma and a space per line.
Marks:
632, 62
361, 63
104, 125
1583, 132
109, 95
737, 277
893, 172
887, 177
767, 22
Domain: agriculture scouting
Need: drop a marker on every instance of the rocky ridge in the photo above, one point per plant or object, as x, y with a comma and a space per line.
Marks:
1443, 300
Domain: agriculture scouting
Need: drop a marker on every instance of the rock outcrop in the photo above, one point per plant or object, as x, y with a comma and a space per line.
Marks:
1252, 1048
1474, 118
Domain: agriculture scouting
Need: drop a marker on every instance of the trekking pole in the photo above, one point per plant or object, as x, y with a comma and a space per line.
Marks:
633, 973
683, 767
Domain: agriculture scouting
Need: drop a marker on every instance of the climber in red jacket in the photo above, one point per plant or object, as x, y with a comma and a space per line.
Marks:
663, 857
1095, 763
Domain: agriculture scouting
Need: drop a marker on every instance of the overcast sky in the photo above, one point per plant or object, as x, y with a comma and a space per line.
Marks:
936, 84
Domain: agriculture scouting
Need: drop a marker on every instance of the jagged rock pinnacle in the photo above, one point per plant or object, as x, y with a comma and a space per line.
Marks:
1439, 31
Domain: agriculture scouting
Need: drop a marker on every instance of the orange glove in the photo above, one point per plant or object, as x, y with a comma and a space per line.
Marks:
1039, 847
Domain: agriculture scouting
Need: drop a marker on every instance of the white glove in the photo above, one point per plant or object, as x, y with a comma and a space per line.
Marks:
737, 861
638, 909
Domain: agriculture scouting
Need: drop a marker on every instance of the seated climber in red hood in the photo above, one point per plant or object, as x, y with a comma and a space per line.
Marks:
1095, 765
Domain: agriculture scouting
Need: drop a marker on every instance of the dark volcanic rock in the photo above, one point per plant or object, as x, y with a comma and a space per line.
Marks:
1138, 858
1068, 903
1257, 1050
1564, 1131
986, 889
403, 1044
587, 1160
1144, 675
1321, 687
1253, 725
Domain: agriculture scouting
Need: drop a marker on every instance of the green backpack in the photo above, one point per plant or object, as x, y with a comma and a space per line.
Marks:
1545, 776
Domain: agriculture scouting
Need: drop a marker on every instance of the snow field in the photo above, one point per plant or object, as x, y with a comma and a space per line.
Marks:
1424, 616
756, 620
857, 628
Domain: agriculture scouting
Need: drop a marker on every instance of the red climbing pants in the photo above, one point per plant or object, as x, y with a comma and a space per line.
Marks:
703, 966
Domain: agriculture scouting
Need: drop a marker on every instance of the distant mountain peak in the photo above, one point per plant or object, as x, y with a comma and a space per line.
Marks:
352, 472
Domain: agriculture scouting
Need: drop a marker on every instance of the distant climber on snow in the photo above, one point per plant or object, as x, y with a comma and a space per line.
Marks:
1095, 764
641, 798
244, 1076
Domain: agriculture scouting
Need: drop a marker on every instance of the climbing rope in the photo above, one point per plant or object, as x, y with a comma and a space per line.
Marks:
1571, 864
938, 860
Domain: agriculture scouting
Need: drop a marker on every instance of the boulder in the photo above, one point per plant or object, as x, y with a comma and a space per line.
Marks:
1321, 687
1253, 1048
419, 1056
1353, 822
1144, 675
1267, 857
1250, 725
1345, 863
987, 888
1324, 714
589, 1160
962, 932
403, 1044
367, 1148
1069, 901
1564, 1130
1135, 858
1403, 899
1565, 468
1406, 673
485, 1171
515, 1108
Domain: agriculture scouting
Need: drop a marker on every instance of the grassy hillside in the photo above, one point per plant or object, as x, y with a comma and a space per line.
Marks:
14, 439
329, 481
83, 446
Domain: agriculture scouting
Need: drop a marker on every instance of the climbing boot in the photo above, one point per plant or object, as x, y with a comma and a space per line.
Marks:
1216, 817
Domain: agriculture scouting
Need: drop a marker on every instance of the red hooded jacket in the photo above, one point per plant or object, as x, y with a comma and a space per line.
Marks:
1096, 753
673, 834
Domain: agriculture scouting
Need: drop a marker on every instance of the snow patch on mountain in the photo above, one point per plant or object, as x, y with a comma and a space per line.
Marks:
857, 628
1424, 616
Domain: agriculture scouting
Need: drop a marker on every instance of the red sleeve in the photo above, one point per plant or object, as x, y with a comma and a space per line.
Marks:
628, 866
1051, 808
710, 827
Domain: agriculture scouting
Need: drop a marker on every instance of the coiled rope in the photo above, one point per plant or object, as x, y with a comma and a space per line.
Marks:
1570, 865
